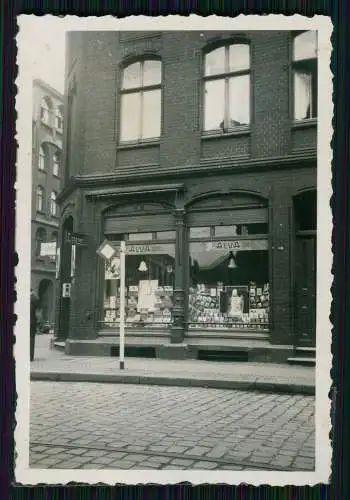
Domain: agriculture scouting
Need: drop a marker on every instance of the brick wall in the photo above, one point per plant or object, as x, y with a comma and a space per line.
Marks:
96, 60
270, 135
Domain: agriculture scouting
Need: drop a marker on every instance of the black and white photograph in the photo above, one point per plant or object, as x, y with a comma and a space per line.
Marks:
173, 230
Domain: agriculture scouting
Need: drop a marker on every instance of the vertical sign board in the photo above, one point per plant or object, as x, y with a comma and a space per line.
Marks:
72, 262
107, 251
66, 287
58, 261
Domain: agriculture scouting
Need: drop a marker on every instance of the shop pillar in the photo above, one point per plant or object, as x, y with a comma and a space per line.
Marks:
178, 326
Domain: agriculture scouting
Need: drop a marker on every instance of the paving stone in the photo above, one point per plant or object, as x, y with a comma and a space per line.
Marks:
197, 451
205, 465
121, 465
92, 466
147, 465
95, 453
133, 418
176, 449
181, 462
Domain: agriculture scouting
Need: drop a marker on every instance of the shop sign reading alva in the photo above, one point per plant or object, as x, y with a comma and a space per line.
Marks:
243, 245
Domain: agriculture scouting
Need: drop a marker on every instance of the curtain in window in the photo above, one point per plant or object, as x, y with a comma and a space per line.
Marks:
302, 95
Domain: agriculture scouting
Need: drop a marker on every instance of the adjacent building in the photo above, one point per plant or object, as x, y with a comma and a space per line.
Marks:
198, 149
46, 173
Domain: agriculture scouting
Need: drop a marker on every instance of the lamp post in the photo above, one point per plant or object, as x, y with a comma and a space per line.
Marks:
122, 306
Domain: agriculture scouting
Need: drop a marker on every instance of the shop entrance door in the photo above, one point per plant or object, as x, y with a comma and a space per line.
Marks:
305, 291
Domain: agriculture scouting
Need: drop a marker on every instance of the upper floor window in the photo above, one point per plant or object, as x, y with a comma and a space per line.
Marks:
305, 75
40, 237
56, 163
59, 119
40, 199
141, 101
45, 110
53, 203
227, 88
42, 158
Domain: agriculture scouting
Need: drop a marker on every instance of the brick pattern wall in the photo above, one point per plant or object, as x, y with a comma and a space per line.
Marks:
181, 143
97, 71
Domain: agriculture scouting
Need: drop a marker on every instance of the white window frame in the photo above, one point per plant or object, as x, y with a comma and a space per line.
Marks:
42, 158
56, 163
314, 76
226, 76
40, 195
141, 90
45, 111
53, 203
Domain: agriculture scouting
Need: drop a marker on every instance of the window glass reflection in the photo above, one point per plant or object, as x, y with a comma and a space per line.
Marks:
229, 289
239, 57
132, 76
305, 46
215, 62
130, 117
151, 114
239, 100
149, 282
214, 104
152, 72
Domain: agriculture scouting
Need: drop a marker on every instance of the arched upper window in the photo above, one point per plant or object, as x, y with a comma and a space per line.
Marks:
42, 158
40, 237
227, 88
59, 119
45, 110
53, 203
305, 75
141, 101
56, 163
40, 199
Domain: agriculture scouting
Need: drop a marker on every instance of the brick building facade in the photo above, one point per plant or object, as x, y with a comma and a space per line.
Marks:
198, 149
46, 165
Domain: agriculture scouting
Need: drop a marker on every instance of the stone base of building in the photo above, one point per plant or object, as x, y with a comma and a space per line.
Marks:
239, 350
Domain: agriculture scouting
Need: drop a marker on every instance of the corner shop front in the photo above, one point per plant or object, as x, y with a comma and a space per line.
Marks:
203, 269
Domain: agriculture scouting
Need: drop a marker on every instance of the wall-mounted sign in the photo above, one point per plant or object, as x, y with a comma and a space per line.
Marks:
75, 238
72, 261
48, 249
151, 249
106, 250
58, 261
237, 245
112, 269
66, 288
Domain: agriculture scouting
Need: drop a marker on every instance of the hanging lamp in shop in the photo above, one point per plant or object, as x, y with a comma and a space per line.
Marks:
232, 262
143, 266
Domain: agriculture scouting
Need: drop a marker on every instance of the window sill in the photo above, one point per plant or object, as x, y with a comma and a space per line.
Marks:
40, 212
140, 144
42, 170
310, 122
56, 176
232, 133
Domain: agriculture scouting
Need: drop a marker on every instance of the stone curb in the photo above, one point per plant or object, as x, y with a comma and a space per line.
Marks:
252, 385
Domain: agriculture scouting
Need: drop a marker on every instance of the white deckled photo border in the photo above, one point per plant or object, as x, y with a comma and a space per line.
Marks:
26, 72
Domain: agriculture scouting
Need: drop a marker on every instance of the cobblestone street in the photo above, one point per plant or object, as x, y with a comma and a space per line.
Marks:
100, 426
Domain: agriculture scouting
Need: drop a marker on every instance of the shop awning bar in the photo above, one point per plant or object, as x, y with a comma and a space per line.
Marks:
122, 192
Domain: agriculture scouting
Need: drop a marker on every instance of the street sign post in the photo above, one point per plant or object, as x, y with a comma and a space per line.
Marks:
122, 306
107, 251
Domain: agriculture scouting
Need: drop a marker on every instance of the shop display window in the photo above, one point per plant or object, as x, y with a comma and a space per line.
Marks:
149, 286
229, 285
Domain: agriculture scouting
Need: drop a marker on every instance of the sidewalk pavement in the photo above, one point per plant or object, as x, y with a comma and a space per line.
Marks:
53, 365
